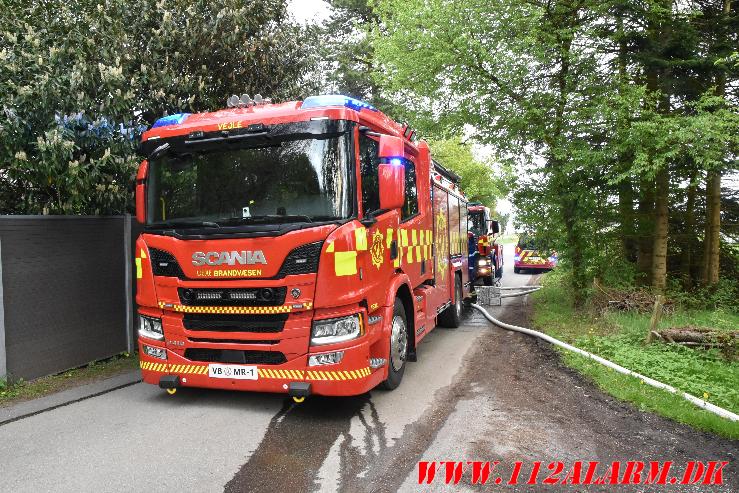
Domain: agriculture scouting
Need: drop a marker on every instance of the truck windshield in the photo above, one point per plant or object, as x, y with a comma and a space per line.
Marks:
282, 179
476, 223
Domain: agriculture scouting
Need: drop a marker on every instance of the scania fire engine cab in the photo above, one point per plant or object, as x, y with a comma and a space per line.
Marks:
305, 247
486, 254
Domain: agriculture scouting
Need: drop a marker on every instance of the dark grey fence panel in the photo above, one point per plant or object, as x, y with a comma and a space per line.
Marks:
64, 291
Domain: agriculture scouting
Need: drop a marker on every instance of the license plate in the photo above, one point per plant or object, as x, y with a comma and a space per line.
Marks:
534, 259
237, 372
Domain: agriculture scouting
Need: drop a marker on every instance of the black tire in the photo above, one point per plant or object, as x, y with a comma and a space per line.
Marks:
516, 270
452, 316
399, 343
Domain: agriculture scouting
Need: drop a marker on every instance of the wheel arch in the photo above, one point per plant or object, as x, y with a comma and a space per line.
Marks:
400, 288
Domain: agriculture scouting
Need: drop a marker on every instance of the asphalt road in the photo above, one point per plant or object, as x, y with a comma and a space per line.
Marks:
476, 393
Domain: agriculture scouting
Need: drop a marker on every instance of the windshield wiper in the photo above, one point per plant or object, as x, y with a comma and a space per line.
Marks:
159, 151
187, 224
264, 219
228, 138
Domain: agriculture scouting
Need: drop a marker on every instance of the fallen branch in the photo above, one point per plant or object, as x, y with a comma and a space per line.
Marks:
697, 335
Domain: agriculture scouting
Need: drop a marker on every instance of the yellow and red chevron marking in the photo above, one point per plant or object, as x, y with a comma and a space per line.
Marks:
338, 374
264, 372
531, 253
281, 374
241, 310
314, 374
195, 369
148, 365
165, 368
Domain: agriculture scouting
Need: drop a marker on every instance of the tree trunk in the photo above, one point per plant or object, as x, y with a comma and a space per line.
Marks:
686, 256
645, 227
711, 244
661, 226
712, 241
626, 186
626, 213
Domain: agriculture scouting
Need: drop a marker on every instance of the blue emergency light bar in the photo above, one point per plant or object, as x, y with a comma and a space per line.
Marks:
175, 119
336, 100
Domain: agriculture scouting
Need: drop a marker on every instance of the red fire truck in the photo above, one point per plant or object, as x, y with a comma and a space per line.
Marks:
486, 254
304, 247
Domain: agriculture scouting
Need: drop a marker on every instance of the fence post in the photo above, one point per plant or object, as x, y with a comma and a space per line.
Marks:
127, 286
3, 356
656, 315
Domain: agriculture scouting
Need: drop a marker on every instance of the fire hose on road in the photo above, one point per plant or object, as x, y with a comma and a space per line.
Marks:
724, 413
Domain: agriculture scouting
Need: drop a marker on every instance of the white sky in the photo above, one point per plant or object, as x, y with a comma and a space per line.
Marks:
309, 11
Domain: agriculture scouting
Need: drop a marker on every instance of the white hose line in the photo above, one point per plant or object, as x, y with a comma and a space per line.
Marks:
520, 287
521, 293
724, 413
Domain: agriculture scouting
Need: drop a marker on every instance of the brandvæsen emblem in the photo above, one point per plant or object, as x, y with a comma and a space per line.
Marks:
377, 250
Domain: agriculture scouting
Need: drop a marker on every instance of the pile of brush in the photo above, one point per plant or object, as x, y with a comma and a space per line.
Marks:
640, 301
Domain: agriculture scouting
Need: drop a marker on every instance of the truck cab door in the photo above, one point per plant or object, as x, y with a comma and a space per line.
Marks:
381, 256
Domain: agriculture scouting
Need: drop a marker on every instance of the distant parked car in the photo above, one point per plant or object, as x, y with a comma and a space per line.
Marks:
529, 255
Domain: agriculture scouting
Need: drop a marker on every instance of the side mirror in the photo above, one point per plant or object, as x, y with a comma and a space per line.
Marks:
391, 172
392, 185
496, 227
141, 192
390, 147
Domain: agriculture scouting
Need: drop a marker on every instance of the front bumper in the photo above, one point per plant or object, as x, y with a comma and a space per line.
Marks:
353, 376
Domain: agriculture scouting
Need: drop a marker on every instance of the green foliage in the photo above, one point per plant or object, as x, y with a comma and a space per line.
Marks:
587, 102
722, 296
619, 336
478, 182
647, 398
78, 86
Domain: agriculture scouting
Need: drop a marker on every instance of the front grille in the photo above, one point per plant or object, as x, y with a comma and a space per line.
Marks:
232, 297
233, 341
235, 356
302, 260
235, 323
164, 264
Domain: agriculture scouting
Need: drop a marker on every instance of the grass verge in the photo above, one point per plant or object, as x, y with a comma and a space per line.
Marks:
619, 336
14, 392
507, 239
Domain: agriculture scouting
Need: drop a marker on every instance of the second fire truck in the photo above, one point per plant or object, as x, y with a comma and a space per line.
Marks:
486, 254
304, 247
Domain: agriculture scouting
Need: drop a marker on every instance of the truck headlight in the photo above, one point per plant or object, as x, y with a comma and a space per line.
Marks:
482, 262
151, 327
335, 330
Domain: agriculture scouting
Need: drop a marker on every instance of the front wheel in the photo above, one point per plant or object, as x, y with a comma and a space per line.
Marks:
516, 270
398, 347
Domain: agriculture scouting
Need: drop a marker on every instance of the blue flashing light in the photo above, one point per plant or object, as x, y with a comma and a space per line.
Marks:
175, 119
336, 100
396, 161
